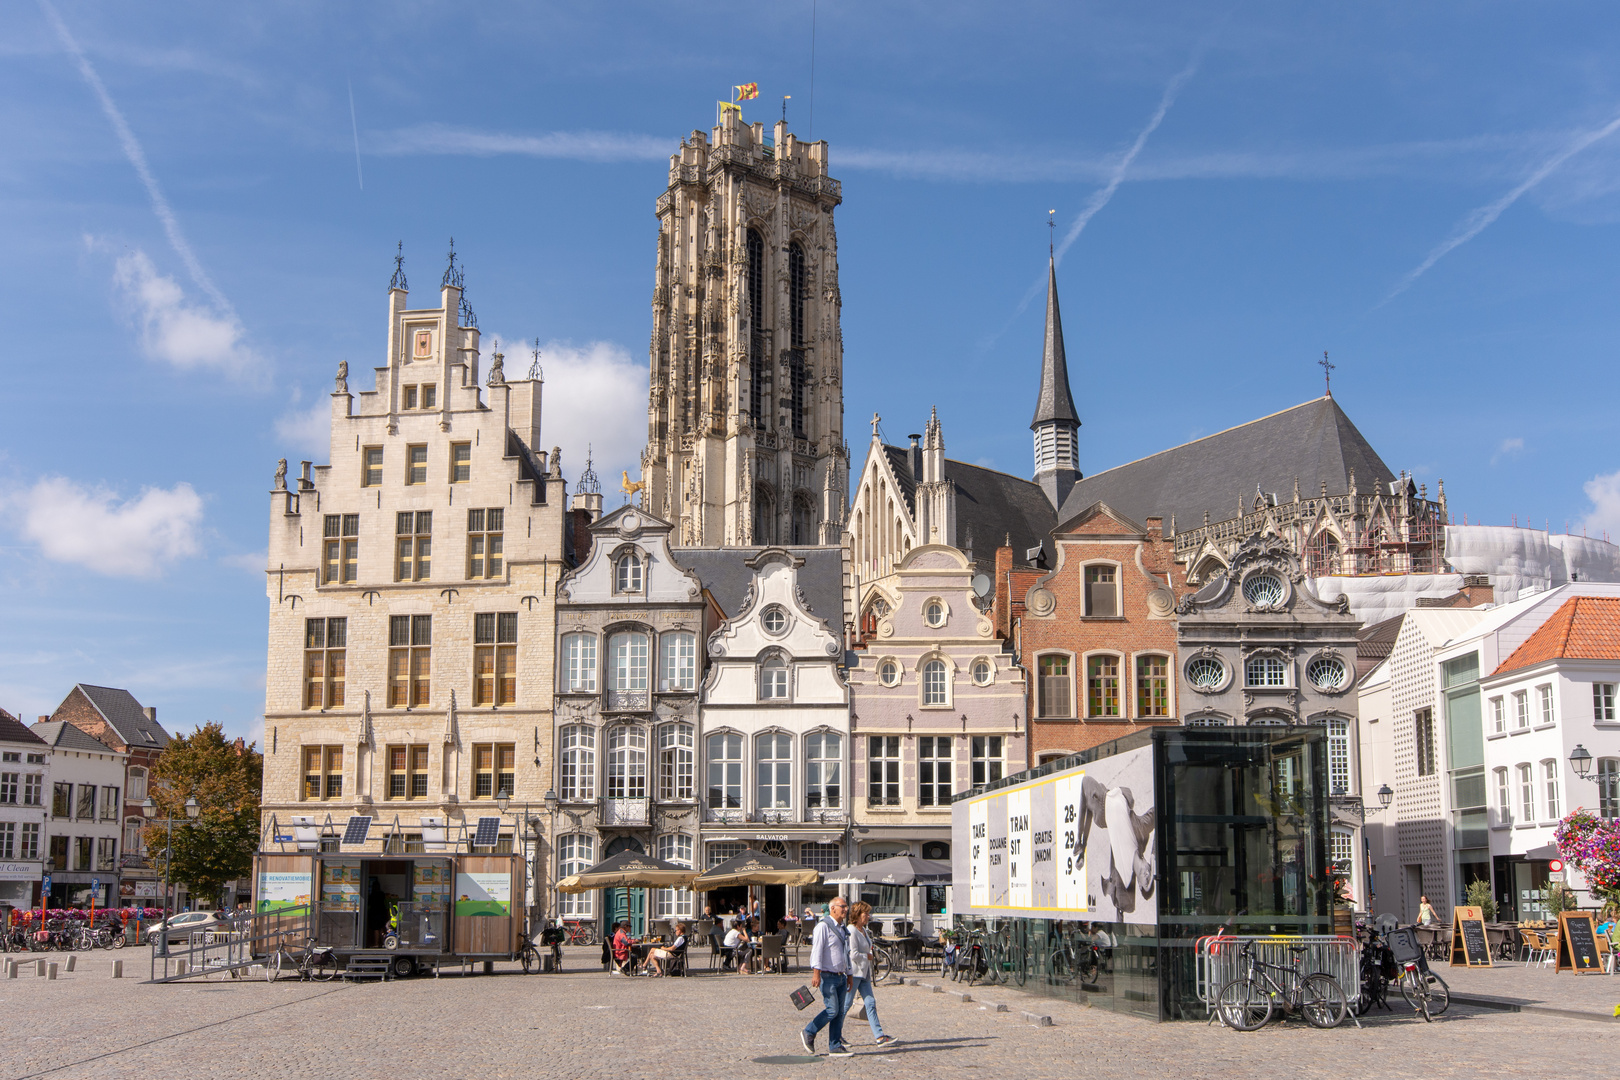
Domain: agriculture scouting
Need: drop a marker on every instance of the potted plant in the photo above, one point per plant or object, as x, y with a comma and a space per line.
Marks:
1479, 895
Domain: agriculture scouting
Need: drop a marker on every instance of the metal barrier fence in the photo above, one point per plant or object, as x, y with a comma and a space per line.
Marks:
230, 946
1221, 959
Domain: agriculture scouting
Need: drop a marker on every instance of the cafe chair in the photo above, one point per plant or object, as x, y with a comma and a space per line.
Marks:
771, 953
676, 964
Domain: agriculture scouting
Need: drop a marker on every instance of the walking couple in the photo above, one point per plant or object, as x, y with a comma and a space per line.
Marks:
841, 966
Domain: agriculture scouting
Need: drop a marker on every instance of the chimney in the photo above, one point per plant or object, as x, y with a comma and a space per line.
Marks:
151, 712
916, 458
44, 719
1001, 588
304, 482
1155, 528
1477, 590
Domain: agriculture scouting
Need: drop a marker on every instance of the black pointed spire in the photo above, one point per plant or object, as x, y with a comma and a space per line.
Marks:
398, 280
1055, 402
452, 272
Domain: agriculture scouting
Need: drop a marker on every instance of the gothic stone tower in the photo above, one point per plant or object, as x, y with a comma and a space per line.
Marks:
745, 417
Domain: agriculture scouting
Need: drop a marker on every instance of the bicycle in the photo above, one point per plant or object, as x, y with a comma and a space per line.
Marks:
1075, 957
529, 954
971, 960
1377, 969
1425, 991
1247, 1003
315, 964
580, 933
882, 964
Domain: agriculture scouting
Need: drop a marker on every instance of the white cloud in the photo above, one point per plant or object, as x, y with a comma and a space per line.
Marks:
1507, 448
252, 561
308, 430
177, 332
1604, 491
598, 146
92, 528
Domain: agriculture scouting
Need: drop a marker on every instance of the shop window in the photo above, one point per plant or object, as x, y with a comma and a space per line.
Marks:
323, 772
576, 853
1423, 742
1102, 686
413, 539
627, 763
680, 661
579, 663
934, 683
773, 771
1152, 686
495, 658
934, 754
578, 763
824, 766
722, 850
342, 547
410, 660
485, 542
494, 769
1054, 693
675, 762
987, 763
883, 770
724, 752
325, 650
1102, 596
1603, 701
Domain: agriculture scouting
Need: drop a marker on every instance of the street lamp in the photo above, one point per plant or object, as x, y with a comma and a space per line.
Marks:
149, 810
1580, 759
1386, 794
552, 802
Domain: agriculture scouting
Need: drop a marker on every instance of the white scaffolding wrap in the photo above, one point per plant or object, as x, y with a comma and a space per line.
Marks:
1384, 596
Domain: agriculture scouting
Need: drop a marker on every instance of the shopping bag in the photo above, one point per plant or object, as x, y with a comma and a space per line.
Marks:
802, 997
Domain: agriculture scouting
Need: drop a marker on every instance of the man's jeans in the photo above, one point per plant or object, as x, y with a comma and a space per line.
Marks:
835, 1001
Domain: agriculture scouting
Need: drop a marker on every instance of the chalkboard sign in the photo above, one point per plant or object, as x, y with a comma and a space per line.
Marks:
1469, 947
1577, 943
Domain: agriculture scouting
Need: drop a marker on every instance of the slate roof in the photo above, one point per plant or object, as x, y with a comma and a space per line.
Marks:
1314, 441
124, 714
1583, 628
14, 730
64, 736
725, 574
989, 506
1055, 401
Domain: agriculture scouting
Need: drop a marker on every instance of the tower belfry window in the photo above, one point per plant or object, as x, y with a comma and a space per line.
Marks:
758, 399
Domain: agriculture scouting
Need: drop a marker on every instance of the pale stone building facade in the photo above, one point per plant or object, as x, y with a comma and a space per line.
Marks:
745, 442
630, 633
412, 585
937, 708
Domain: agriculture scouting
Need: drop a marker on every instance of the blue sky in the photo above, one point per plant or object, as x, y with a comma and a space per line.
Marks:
1431, 193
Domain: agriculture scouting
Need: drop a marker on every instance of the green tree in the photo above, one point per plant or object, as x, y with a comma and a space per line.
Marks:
226, 778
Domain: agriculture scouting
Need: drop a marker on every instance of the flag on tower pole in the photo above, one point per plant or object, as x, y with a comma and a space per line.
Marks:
748, 91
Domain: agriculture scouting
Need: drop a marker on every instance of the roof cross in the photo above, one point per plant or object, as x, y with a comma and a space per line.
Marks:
1327, 372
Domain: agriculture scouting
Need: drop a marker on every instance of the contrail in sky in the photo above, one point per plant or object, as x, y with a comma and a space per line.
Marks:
137, 158
356, 124
1480, 219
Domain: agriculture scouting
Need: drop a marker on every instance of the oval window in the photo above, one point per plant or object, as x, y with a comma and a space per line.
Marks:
1263, 590
982, 672
934, 613
1326, 673
889, 673
775, 619
1206, 673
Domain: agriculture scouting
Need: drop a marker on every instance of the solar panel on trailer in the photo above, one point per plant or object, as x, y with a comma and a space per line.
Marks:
359, 826
488, 832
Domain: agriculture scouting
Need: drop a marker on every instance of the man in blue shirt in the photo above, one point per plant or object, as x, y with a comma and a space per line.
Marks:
829, 970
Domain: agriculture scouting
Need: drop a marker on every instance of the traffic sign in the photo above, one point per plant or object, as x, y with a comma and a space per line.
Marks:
47, 883
95, 884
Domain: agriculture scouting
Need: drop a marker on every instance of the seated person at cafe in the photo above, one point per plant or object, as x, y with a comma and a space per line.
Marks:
736, 948
657, 958
621, 948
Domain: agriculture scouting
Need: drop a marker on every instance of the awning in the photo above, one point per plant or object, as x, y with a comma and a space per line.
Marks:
755, 868
628, 869
898, 870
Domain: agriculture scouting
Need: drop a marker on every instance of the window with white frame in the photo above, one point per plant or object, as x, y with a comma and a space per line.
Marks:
674, 903
1102, 596
132, 835
1527, 792
1603, 701
824, 769
722, 850
934, 613
1549, 775
987, 763
34, 787
934, 683
627, 657
1504, 797
1342, 850
8, 839
883, 770
576, 853
823, 857
983, 672
1498, 716
1544, 698
680, 661
724, 752
889, 673
675, 762
29, 848
110, 804
1338, 757
9, 788
1054, 697
627, 573
1608, 782
773, 679
1265, 670
579, 663
578, 763
773, 771
137, 783
627, 763
1521, 708
934, 753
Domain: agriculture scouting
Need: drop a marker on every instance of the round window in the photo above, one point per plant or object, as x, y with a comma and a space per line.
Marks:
1206, 673
982, 672
1326, 673
1263, 590
934, 613
889, 673
775, 619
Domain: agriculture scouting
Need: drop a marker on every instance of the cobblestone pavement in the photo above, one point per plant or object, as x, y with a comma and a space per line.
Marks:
583, 1024
1536, 984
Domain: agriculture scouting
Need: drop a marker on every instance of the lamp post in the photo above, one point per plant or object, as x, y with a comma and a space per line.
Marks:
552, 802
1386, 795
523, 822
149, 811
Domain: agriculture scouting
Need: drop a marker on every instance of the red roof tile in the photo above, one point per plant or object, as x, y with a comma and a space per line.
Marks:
1584, 628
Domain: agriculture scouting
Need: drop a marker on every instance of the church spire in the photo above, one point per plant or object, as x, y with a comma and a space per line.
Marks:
1057, 455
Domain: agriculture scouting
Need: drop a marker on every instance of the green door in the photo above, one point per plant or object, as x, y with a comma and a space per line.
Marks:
628, 904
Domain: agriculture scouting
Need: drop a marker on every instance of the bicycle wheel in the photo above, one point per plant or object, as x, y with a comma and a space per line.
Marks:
882, 966
992, 963
1018, 961
1322, 1001
1416, 993
1062, 971
1436, 995
325, 969
531, 959
272, 966
1242, 1006
975, 966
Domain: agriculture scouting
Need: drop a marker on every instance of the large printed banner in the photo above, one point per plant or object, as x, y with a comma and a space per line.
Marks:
484, 894
1076, 844
278, 890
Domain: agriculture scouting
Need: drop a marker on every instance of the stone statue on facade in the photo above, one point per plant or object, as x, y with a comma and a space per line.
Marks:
497, 370
343, 377
281, 475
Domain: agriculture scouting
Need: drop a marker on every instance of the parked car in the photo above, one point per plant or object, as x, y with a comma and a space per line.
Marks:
179, 928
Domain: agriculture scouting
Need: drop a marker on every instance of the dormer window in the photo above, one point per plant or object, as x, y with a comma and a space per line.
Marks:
628, 573
773, 680
774, 620
934, 613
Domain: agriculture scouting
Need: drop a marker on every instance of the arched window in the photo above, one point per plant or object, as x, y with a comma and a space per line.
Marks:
1054, 694
773, 771
132, 835
1206, 721
674, 903
578, 763
824, 761
137, 783
627, 657
1378, 557
1265, 671
1323, 554
576, 853
804, 521
1152, 686
680, 660
724, 753
627, 763
764, 517
675, 762
934, 683
759, 397
627, 578
773, 679
796, 292
579, 663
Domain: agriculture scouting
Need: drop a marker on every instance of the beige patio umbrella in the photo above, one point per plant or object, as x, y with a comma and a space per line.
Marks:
628, 869
754, 868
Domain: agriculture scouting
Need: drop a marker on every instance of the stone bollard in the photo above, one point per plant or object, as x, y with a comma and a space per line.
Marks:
180, 967
118, 969
72, 961
39, 969
11, 969
52, 973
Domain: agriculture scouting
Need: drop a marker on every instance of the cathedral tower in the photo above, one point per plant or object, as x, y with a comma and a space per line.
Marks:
1056, 424
745, 414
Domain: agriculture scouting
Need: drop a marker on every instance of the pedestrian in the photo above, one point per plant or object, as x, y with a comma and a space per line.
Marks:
1426, 913
829, 971
860, 969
